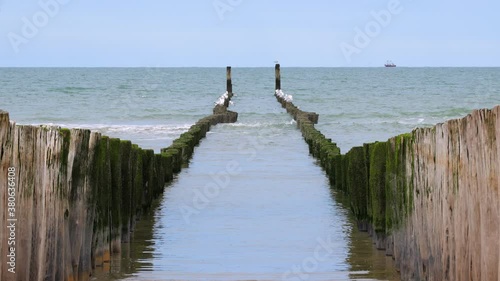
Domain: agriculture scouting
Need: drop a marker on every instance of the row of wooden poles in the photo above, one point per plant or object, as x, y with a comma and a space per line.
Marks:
229, 86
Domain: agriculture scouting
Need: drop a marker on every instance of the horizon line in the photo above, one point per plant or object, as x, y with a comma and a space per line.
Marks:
292, 66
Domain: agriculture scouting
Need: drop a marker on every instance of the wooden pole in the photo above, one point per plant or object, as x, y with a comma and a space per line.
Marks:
278, 76
229, 84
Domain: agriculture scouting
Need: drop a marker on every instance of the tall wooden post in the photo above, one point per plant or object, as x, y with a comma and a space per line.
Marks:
278, 76
229, 84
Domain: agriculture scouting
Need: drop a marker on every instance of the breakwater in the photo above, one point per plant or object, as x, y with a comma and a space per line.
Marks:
429, 198
76, 194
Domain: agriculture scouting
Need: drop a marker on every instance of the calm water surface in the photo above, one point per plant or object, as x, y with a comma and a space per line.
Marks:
253, 205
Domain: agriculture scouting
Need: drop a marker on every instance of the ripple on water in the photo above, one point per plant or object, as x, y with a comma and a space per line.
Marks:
265, 224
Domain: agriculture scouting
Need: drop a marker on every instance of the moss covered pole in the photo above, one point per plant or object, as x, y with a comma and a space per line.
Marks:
278, 76
229, 84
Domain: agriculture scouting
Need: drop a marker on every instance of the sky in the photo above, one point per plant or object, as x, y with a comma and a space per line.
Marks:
248, 33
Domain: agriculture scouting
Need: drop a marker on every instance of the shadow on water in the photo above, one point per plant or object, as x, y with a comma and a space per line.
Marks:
137, 255
365, 261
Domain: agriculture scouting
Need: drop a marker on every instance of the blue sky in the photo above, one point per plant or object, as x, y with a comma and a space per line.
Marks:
249, 33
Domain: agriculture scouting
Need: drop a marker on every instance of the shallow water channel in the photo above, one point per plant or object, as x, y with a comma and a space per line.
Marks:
252, 205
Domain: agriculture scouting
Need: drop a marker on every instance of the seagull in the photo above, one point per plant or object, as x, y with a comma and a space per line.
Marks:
280, 94
221, 100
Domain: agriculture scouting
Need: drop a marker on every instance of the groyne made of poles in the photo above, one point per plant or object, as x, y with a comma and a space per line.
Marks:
72, 196
429, 198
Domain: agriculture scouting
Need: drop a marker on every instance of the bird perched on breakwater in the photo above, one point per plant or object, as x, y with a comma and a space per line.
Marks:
281, 94
222, 99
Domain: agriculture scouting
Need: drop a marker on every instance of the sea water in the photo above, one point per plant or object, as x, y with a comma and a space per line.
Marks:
252, 205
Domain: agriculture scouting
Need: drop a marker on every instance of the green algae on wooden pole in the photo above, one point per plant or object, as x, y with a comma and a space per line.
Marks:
376, 184
116, 194
127, 185
229, 84
357, 185
97, 187
278, 76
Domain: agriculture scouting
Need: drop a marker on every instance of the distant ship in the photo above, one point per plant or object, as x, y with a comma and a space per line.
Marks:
389, 64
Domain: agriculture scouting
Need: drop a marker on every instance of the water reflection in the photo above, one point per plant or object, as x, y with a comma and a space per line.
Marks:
277, 220
362, 260
135, 256
273, 219
365, 261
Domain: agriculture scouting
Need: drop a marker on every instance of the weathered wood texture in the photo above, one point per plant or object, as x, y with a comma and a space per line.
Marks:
429, 198
78, 194
433, 198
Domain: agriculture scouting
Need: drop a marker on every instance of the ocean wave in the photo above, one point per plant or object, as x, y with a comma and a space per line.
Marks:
260, 124
411, 121
71, 90
126, 129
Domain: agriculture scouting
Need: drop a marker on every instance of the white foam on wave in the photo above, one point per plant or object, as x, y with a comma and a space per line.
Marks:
411, 121
126, 129
388, 121
259, 124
